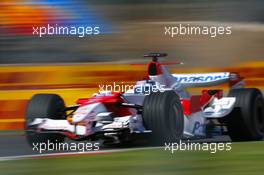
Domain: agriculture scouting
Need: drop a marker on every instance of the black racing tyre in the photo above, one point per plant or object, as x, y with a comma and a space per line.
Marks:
246, 121
163, 114
44, 106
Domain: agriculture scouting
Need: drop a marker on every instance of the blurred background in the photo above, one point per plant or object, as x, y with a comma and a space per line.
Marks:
131, 28
74, 67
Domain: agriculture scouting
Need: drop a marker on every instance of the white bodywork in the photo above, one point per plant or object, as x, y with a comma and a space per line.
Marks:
194, 125
62, 125
219, 107
202, 80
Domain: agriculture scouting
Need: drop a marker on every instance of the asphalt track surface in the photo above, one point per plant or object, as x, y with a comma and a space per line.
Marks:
15, 144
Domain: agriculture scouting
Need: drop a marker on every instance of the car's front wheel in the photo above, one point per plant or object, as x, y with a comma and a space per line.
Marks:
44, 106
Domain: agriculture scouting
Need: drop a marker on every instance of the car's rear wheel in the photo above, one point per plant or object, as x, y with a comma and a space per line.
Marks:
246, 121
44, 106
162, 113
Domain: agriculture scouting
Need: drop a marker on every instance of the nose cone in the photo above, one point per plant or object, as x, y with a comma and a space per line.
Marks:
88, 112
81, 113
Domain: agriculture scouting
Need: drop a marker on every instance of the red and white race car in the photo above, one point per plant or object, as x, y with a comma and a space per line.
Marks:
159, 106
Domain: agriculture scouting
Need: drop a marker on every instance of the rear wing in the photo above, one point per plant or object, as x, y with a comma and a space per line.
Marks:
209, 79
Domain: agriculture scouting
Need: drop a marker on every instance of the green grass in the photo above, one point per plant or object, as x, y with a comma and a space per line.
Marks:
243, 159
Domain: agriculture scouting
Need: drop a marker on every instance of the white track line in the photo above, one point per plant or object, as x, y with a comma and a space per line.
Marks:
47, 155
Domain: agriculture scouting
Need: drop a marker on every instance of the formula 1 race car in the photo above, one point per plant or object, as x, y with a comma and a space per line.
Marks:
158, 106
